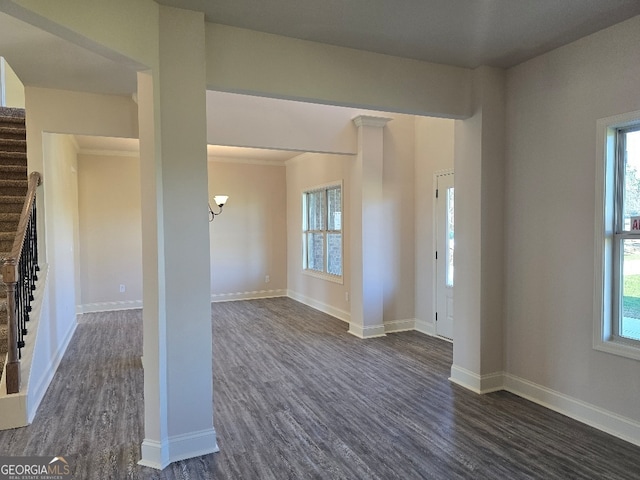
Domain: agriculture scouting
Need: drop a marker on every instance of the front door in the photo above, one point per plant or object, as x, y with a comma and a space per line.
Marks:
444, 255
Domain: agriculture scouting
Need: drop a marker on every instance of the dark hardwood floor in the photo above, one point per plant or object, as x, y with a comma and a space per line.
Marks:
297, 397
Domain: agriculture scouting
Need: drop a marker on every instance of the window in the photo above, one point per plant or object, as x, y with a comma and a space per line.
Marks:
322, 232
626, 245
617, 294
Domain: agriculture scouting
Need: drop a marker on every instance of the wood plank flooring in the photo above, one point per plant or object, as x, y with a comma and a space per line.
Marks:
297, 397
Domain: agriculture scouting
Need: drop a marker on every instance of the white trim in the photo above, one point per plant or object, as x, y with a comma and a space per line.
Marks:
400, 325
159, 455
153, 454
305, 154
108, 306
3, 94
370, 121
603, 339
321, 306
246, 161
109, 153
324, 275
622, 427
33, 402
428, 328
34, 393
76, 146
230, 297
434, 262
491, 382
371, 331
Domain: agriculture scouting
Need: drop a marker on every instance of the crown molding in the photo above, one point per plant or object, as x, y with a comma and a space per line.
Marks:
370, 121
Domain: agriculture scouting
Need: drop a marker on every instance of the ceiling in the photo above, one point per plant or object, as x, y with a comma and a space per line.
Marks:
466, 33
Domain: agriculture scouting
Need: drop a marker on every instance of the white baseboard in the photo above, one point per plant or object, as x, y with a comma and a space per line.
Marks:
229, 297
428, 328
371, 331
108, 306
36, 393
158, 455
622, 427
400, 325
481, 384
323, 307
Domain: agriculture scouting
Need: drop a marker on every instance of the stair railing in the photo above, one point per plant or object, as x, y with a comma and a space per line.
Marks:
19, 274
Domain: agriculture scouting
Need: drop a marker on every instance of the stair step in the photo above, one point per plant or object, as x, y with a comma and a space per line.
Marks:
14, 187
15, 122
6, 241
9, 114
13, 144
11, 204
9, 222
12, 131
13, 158
13, 172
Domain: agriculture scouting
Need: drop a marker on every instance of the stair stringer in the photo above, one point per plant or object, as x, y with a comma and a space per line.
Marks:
39, 362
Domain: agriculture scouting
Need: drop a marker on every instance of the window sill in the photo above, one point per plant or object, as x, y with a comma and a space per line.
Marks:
617, 347
324, 276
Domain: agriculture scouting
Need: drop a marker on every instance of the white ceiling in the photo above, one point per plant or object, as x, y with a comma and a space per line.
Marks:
467, 33
41, 59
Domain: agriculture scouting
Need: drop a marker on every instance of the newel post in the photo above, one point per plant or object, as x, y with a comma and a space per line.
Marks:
10, 277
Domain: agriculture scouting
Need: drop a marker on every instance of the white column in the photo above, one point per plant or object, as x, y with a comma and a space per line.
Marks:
367, 249
478, 298
175, 232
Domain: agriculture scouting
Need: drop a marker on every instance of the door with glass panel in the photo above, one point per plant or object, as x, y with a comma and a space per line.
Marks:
444, 254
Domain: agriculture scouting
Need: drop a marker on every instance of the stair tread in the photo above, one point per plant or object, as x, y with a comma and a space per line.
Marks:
14, 182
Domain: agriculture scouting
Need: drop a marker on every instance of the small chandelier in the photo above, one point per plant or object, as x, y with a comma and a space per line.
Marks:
219, 200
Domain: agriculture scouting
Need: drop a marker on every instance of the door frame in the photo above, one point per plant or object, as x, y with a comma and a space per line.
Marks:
434, 235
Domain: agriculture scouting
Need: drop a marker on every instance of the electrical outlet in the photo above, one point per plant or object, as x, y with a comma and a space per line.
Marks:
267, 279
346, 296
122, 288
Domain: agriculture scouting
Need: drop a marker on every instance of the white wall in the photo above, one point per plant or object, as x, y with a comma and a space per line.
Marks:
246, 61
303, 173
110, 232
397, 220
57, 319
11, 88
249, 239
553, 102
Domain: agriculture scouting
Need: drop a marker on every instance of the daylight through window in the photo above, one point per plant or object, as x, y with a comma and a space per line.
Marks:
322, 230
626, 245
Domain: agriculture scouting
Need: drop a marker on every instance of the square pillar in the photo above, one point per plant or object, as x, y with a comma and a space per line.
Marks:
367, 249
177, 361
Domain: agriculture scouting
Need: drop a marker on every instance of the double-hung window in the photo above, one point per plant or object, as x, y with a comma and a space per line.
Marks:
617, 294
322, 231
626, 245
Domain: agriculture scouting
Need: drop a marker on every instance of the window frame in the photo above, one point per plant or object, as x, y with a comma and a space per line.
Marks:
610, 234
324, 274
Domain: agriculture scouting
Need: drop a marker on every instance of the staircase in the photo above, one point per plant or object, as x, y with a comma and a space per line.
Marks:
13, 189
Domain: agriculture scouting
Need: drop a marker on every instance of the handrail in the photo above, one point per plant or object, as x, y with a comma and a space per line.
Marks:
19, 275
